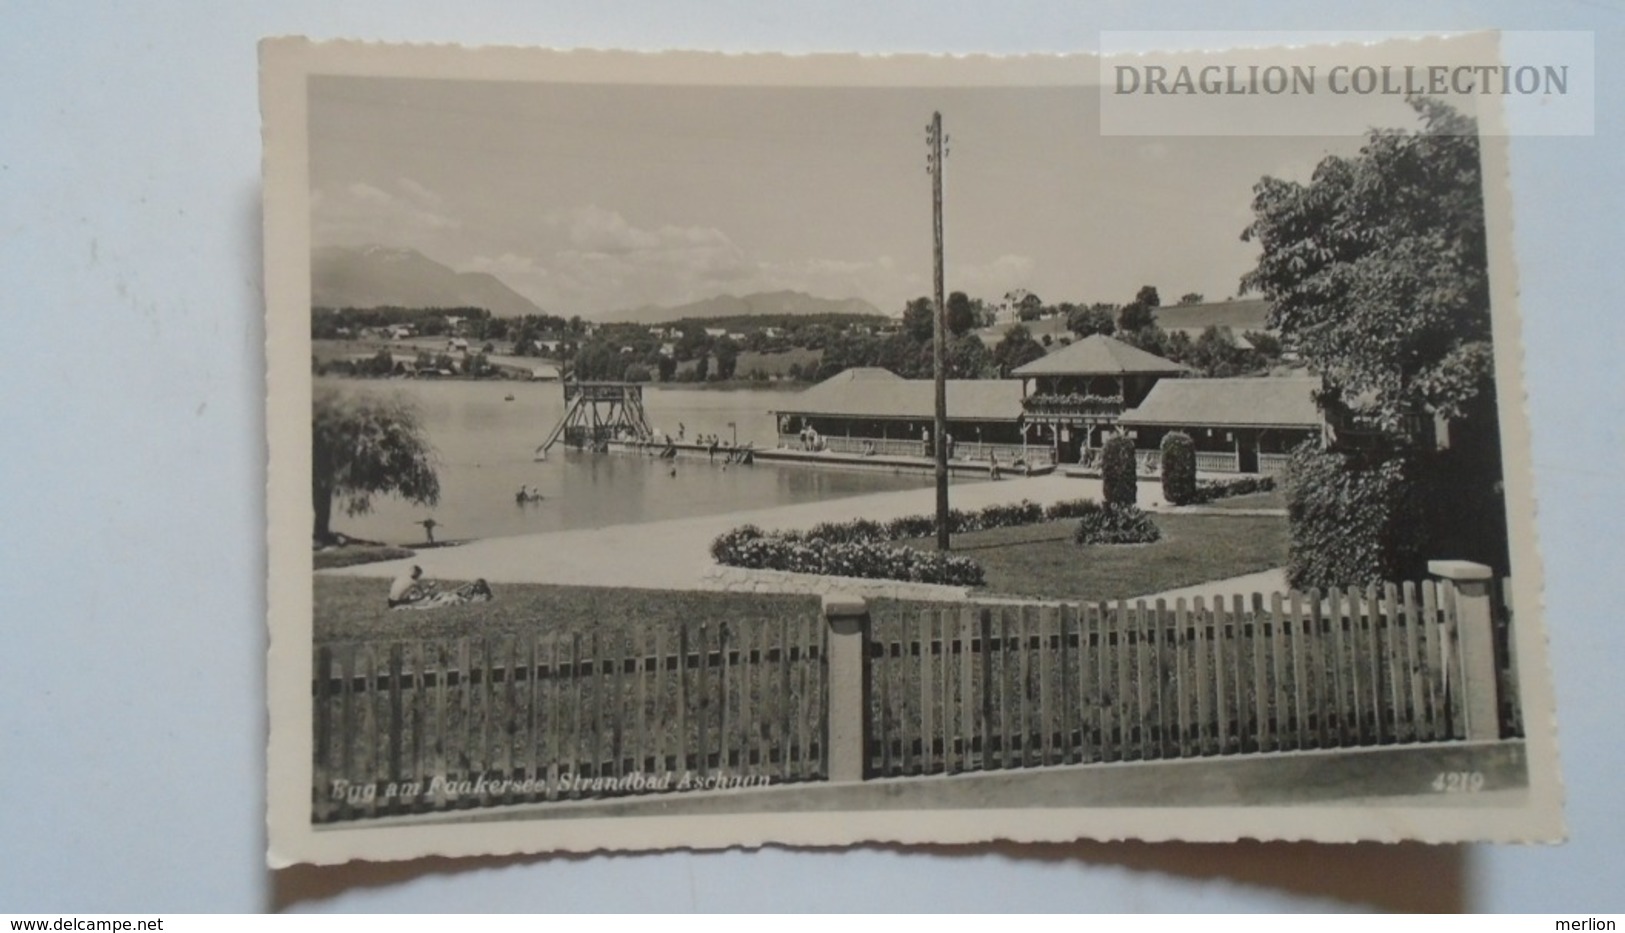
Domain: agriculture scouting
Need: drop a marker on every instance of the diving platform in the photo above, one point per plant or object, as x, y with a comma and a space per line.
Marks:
596, 413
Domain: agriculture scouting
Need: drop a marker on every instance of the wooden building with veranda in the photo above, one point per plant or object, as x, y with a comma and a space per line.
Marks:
869, 410
1061, 409
1072, 398
1241, 425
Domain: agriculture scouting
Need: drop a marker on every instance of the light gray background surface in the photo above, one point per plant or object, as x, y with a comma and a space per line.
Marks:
131, 513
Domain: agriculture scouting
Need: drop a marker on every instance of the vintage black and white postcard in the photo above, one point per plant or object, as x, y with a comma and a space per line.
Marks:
695, 450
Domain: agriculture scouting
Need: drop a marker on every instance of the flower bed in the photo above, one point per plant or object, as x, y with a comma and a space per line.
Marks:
1072, 403
859, 548
1025, 512
749, 546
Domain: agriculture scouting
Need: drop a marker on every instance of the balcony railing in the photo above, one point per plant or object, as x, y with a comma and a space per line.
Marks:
1073, 404
1217, 462
1272, 464
884, 447
1008, 454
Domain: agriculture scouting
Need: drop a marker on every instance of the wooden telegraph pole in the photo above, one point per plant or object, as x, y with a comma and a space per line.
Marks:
939, 330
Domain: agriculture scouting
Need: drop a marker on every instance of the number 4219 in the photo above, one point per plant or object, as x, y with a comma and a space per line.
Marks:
1459, 782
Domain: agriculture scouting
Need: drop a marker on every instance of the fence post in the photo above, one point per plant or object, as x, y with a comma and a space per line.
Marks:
1476, 649
846, 723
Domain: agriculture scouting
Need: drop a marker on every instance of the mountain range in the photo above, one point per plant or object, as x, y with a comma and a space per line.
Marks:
780, 302
377, 276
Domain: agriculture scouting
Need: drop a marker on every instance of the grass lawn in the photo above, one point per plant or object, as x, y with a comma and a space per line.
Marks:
350, 555
353, 609
1041, 560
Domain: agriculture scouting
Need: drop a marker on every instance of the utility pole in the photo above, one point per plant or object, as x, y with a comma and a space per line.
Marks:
939, 330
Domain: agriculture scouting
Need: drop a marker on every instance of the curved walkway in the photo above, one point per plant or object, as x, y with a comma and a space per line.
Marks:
675, 554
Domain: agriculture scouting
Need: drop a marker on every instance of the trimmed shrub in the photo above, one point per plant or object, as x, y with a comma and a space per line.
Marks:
1178, 468
1117, 470
1355, 520
1024, 512
1113, 523
911, 526
1208, 490
1070, 508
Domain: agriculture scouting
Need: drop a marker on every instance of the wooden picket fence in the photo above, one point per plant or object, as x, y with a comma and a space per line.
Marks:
988, 687
433, 725
446, 724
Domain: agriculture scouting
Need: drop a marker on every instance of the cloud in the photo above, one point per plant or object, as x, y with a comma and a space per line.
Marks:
602, 261
362, 213
992, 279
420, 193
590, 259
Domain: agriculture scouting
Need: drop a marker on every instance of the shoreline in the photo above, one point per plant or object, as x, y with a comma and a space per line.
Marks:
675, 553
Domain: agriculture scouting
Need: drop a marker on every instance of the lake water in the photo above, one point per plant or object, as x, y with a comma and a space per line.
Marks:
486, 448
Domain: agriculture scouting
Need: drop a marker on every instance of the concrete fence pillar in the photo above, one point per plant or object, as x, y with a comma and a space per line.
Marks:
846, 724
1479, 686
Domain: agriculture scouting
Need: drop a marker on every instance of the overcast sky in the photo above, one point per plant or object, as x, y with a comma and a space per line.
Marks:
592, 198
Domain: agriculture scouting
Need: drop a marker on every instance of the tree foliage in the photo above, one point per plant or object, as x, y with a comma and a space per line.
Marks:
1216, 353
1017, 349
597, 359
969, 358
727, 355
961, 313
1355, 521
365, 445
1377, 274
1376, 270
1141, 313
919, 319
1091, 320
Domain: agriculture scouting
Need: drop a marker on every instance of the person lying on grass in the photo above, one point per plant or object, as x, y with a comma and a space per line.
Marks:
411, 591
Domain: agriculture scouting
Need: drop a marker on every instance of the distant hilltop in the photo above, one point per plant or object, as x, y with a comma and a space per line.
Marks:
377, 277
781, 303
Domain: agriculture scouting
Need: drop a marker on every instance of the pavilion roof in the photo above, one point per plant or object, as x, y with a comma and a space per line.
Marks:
1099, 355
1258, 401
870, 392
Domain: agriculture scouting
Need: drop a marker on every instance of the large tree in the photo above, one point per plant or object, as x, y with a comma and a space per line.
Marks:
919, 319
1141, 313
727, 354
1091, 320
961, 313
1018, 348
969, 358
1376, 271
365, 445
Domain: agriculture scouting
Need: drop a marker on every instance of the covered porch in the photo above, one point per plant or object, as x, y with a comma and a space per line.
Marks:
1243, 425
